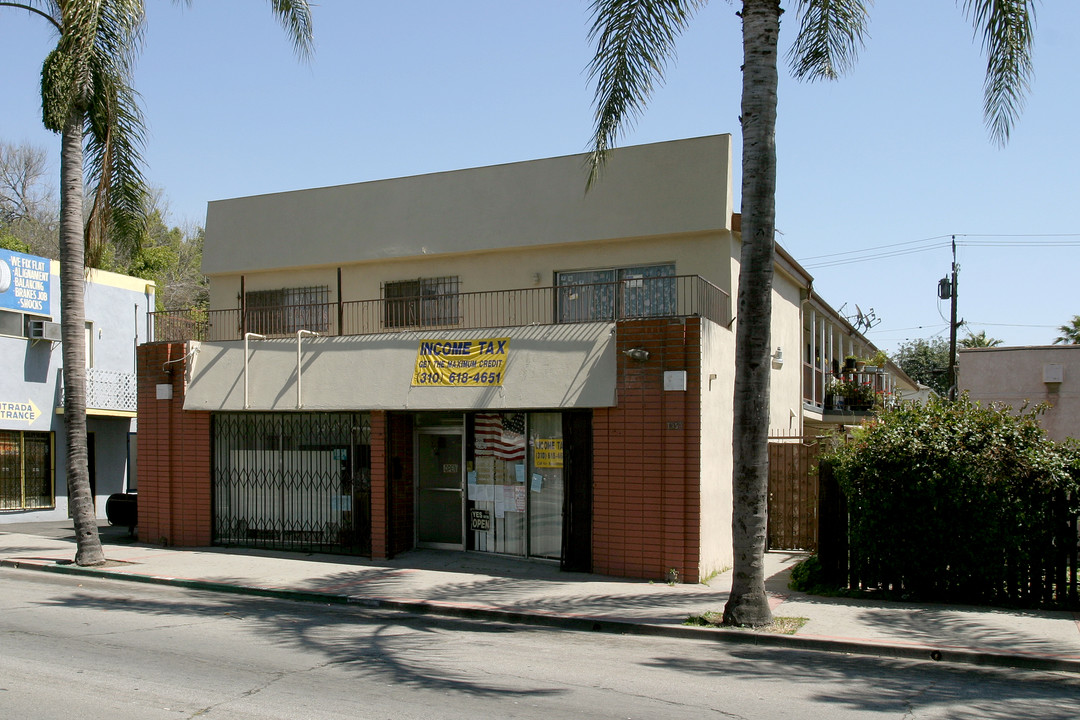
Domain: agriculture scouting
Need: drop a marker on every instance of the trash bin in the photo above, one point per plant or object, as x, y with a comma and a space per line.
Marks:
123, 509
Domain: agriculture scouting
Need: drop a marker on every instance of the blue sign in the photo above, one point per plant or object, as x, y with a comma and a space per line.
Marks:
25, 283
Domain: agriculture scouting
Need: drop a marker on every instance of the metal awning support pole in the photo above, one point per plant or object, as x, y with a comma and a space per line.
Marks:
299, 395
248, 336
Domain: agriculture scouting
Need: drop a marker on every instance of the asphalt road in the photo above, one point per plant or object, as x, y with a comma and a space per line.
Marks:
83, 647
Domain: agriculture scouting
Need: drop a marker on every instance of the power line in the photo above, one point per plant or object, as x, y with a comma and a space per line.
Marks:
940, 241
878, 256
1017, 325
877, 247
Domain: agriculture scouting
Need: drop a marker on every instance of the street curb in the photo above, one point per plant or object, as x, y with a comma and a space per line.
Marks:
586, 624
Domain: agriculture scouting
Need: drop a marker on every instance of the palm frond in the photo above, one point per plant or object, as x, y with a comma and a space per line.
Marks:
634, 39
47, 9
1070, 332
295, 17
114, 141
1007, 39
120, 29
831, 32
114, 132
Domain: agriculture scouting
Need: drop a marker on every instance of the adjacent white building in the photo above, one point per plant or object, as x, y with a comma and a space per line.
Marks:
32, 437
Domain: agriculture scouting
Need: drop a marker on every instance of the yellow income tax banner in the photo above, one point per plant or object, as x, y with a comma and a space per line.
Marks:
461, 363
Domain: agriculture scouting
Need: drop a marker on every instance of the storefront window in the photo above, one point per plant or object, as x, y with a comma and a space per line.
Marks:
496, 484
545, 485
26, 470
515, 484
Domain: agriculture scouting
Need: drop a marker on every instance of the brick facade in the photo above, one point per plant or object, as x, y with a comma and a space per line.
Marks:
647, 457
646, 499
174, 454
379, 546
392, 501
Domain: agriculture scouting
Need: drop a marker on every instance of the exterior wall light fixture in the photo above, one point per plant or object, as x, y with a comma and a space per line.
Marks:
639, 354
778, 358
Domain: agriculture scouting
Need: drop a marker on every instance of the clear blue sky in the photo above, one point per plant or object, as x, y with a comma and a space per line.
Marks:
893, 154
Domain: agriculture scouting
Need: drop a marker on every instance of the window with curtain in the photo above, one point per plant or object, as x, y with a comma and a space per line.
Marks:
617, 293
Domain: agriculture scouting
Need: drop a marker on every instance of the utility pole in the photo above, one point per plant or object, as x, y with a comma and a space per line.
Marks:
947, 291
953, 327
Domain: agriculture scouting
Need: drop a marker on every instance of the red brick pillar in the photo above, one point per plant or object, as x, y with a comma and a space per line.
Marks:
380, 530
174, 453
647, 457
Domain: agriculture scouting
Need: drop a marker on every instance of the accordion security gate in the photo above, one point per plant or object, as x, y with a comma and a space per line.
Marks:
293, 481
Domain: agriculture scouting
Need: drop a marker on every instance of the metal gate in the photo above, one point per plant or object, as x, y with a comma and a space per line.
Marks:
293, 481
793, 493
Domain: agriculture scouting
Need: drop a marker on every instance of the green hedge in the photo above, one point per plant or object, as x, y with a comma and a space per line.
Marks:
959, 502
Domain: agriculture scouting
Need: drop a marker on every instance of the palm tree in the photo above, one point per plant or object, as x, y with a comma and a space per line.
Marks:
87, 97
635, 39
1070, 333
979, 340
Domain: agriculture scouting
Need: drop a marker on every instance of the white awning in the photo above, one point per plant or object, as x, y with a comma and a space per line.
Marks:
547, 367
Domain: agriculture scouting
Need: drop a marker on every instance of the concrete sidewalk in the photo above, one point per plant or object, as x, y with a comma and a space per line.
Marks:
507, 590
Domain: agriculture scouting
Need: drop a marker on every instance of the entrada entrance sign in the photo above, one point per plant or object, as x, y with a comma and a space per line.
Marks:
27, 411
461, 363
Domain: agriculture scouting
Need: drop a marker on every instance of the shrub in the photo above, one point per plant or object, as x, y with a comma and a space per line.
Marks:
957, 501
808, 576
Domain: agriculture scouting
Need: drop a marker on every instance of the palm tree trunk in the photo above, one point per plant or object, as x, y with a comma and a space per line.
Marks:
73, 323
748, 604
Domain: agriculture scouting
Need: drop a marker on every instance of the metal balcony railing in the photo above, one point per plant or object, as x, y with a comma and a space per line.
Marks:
833, 394
674, 296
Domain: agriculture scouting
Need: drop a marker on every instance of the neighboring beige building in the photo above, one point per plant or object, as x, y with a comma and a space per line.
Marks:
1024, 377
608, 316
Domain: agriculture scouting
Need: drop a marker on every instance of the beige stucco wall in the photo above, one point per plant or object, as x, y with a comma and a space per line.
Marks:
717, 381
785, 391
705, 254
1015, 376
786, 332
662, 189
550, 366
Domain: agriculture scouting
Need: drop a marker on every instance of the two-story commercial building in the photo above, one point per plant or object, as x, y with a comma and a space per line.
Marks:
33, 485
489, 360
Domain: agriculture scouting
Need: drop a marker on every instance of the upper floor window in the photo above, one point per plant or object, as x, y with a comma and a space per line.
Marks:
286, 310
611, 294
26, 470
88, 335
424, 302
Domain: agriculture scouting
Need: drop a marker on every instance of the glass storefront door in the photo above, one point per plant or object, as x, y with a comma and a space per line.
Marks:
439, 488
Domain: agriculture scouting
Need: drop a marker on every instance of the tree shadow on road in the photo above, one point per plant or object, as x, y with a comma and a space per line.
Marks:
395, 648
897, 688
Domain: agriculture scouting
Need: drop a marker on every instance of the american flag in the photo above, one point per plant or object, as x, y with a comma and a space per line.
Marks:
501, 435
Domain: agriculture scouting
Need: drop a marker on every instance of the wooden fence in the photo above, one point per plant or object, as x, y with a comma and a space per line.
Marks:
793, 493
